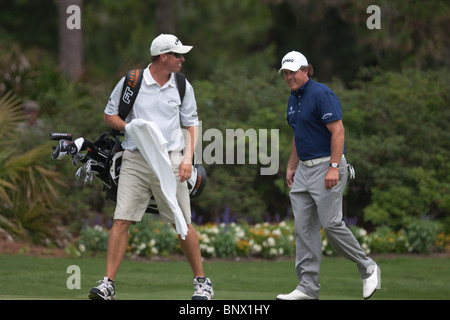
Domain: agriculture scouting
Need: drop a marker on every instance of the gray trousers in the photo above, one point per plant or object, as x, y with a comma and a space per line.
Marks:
315, 207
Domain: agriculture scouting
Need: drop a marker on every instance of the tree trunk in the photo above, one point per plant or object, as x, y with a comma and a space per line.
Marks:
70, 38
165, 17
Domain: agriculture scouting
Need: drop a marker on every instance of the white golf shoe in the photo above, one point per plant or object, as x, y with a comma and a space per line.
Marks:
372, 283
295, 295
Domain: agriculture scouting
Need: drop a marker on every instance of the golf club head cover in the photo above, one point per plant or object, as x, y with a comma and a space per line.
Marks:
61, 149
76, 147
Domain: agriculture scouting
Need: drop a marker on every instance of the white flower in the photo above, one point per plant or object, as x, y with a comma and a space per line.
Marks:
256, 248
366, 248
214, 230
204, 238
271, 241
277, 232
273, 252
362, 232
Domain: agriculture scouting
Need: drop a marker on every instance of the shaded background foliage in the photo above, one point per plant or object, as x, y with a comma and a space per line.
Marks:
393, 84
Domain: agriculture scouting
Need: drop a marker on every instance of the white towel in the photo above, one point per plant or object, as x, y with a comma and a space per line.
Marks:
153, 146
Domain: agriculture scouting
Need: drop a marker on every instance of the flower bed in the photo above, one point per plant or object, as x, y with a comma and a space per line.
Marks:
265, 240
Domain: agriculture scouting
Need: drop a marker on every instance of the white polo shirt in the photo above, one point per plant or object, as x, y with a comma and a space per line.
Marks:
161, 105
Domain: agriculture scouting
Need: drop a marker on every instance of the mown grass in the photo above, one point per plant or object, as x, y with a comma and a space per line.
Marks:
403, 278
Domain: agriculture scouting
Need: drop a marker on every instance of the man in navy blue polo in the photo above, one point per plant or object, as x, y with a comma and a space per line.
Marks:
317, 175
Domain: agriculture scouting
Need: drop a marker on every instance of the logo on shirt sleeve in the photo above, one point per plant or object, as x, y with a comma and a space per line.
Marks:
327, 116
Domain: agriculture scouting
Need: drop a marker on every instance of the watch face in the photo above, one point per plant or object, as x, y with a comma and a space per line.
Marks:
334, 165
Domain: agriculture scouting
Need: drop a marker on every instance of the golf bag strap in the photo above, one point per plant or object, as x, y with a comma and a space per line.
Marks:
181, 84
130, 91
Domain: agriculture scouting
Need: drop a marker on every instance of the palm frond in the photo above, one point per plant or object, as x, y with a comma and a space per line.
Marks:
11, 113
20, 163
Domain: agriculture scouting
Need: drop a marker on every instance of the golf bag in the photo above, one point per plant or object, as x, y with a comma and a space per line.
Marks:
103, 159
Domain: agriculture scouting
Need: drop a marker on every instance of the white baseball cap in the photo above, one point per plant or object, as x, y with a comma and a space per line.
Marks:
293, 61
165, 43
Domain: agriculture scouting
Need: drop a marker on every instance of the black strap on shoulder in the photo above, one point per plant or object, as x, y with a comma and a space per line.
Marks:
130, 91
181, 84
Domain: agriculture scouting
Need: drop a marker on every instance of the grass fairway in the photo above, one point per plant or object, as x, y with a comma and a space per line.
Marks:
403, 278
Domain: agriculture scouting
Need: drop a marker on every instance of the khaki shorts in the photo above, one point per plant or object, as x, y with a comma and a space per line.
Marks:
137, 184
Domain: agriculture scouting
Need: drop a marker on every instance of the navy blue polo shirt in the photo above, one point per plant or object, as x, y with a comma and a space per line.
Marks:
309, 110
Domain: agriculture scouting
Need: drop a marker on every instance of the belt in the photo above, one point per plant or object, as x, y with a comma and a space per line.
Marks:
315, 162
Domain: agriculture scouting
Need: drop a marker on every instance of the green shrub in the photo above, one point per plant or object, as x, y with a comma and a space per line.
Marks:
263, 240
422, 235
385, 240
93, 240
152, 237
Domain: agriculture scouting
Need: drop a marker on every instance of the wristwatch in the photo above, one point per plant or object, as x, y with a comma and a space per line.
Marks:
334, 165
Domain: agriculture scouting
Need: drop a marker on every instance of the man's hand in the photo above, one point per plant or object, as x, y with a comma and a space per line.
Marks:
185, 171
290, 177
292, 165
337, 131
332, 178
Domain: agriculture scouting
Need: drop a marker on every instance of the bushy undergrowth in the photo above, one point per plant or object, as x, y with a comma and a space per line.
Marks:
152, 237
